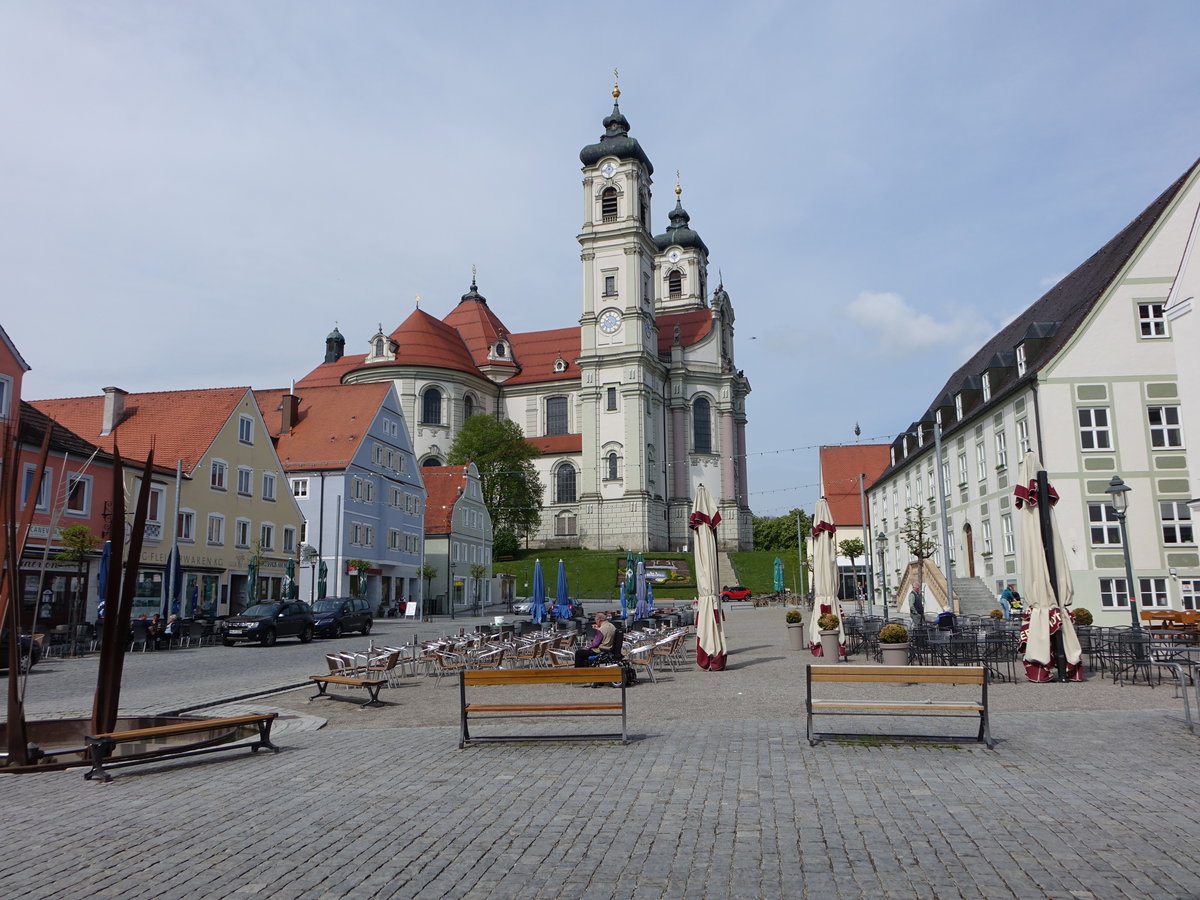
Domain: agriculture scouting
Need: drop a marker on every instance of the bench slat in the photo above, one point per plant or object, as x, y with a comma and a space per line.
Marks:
538, 707
542, 676
138, 734
347, 679
893, 674
965, 706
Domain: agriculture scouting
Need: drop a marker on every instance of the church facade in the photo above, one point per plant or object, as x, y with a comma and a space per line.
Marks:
630, 408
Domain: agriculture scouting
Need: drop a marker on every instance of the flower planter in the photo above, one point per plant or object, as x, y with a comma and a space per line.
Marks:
795, 635
830, 647
894, 654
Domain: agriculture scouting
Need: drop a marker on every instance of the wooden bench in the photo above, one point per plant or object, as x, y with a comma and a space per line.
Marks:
101, 746
878, 676
371, 684
561, 677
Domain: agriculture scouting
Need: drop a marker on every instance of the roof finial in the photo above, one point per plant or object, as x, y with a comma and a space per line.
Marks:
616, 85
678, 188
418, 301
472, 275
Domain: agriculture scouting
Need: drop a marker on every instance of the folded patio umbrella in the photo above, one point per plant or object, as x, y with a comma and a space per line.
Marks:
825, 577
710, 632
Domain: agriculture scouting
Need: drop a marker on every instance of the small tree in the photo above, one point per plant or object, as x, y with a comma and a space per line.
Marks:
428, 573
78, 545
852, 549
478, 570
916, 533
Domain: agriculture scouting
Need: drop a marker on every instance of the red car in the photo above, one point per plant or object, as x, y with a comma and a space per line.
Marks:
736, 592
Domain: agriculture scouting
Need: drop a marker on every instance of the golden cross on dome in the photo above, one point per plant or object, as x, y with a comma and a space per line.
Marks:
678, 189
616, 85
472, 274
418, 301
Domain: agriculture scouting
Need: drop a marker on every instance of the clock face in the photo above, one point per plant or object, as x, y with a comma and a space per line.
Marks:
674, 255
608, 170
610, 322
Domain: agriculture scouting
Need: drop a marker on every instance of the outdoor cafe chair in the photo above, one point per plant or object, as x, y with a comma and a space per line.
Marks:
642, 658
490, 659
448, 664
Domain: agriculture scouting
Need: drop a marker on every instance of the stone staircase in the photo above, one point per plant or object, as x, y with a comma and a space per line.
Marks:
725, 573
974, 597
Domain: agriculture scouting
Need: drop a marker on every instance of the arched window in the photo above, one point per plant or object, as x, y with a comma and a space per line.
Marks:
564, 524
556, 415
468, 407
701, 426
675, 284
431, 461
564, 484
611, 466
431, 407
608, 205
379, 346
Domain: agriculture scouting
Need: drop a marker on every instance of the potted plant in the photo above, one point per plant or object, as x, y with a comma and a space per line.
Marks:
795, 627
1082, 616
996, 614
830, 639
893, 644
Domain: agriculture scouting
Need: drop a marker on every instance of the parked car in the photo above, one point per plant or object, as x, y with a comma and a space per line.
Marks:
337, 614
31, 652
735, 592
267, 622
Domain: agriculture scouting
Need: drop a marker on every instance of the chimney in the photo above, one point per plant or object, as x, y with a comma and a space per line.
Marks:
288, 408
114, 409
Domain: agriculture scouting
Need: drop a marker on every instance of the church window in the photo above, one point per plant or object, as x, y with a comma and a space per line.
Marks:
611, 466
610, 285
379, 346
468, 407
431, 461
675, 284
611, 399
564, 484
644, 210
500, 351
431, 407
564, 524
608, 205
556, 415
701, 426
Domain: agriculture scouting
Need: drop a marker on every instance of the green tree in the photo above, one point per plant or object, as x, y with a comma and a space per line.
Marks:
427, 573
78, 545
478, 570
779, 532
917, 535
511, 488
358, 577
852, 549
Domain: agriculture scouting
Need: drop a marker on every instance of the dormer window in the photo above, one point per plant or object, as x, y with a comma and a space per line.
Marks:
920, 435
1020, 360
675, 284
560, 365
906, 445
987, 387
501, 350
608, 205
958, 407
937, 418
379, 346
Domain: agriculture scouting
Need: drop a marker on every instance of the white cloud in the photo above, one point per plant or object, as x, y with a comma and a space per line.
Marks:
896, 324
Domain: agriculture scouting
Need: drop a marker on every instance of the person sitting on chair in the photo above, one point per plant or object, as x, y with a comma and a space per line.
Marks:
602, 642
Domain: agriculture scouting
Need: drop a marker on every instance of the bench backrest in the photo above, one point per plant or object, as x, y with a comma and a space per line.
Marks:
901, 674
542, 676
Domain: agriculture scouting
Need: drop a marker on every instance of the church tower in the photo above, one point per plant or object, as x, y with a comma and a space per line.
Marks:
622, 488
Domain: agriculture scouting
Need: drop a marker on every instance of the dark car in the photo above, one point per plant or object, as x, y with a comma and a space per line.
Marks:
267, 622
31, 652
735, 592
337, 614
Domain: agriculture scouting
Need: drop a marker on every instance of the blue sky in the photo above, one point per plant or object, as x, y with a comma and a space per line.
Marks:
881, 184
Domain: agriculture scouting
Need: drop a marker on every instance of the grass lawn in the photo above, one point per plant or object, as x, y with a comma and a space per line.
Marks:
756, 569
591, 574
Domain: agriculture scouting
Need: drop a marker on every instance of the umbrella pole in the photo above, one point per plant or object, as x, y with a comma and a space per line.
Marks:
1056, 639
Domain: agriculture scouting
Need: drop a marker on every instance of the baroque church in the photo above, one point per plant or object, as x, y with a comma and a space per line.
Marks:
630, 409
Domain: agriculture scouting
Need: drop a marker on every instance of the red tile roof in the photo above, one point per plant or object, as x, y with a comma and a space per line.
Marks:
536, 351
479, 329
694, 326
840, 468
330, 423
557, 443
180, 424
443, 485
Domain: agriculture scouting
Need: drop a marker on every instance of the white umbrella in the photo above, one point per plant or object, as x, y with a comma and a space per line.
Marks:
825, 576
1045, 613
710, 634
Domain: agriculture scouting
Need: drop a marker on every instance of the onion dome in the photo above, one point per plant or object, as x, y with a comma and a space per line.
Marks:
616, 140
335, 346
679, 233
473, 293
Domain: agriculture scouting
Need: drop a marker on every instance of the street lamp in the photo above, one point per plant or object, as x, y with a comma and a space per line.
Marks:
1117, 491
451, 591
881, 543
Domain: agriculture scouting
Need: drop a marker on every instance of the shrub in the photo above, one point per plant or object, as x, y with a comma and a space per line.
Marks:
1083, 616
893, 634
827, 622
504, 542
997, 614
793, 616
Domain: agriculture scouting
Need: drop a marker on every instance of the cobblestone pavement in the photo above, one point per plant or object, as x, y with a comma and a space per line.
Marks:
722, 798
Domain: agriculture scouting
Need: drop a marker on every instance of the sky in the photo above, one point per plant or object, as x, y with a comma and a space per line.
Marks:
194, 194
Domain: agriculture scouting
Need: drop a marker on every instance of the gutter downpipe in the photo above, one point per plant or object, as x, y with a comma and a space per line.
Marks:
941, 476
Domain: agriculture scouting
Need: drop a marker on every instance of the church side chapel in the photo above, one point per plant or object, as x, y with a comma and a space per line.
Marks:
630, 409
